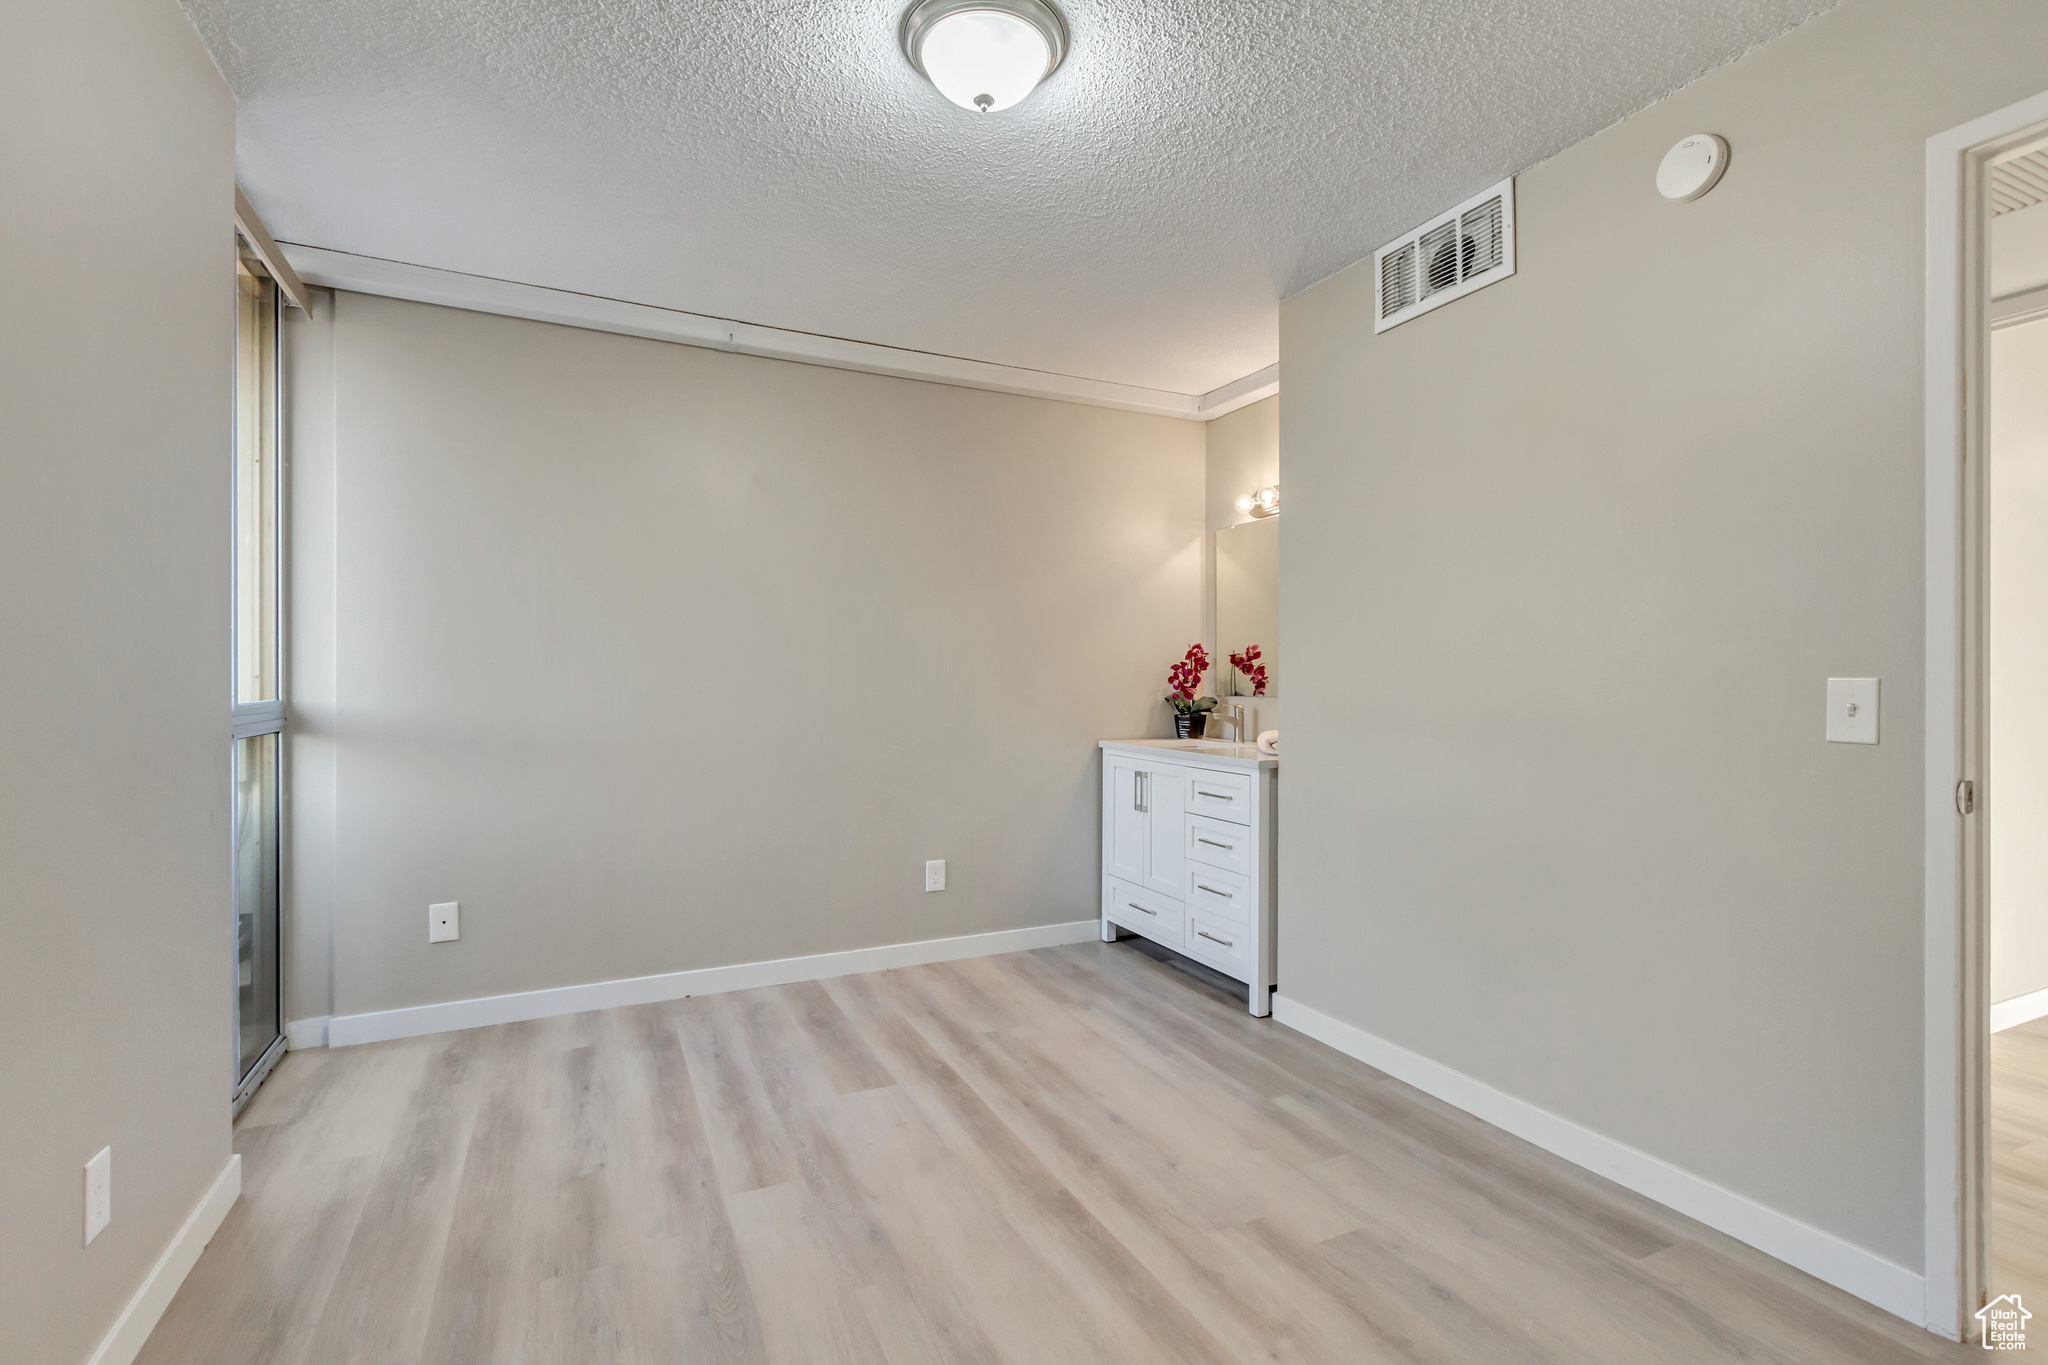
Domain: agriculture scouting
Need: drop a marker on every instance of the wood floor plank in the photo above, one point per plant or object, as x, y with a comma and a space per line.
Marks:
1121, 1176
813, 1313
1099, 1270
483, 1297
1545, 1297
838, 1044
698, 1291
2019, 1163
750, 1149
1082, 1154
927, 1202
380, 1306
804, 1100
1765, 1310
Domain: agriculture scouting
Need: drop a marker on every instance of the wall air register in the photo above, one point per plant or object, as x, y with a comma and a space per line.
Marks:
1447, 258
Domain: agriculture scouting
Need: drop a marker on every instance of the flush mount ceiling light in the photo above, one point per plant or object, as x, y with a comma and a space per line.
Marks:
984, 54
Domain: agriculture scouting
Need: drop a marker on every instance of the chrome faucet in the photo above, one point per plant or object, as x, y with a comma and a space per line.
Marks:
1234, 713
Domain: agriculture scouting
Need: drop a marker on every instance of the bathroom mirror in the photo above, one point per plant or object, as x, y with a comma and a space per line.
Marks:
1248, 603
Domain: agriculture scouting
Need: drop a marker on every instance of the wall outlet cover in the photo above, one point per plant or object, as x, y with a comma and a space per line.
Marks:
99, 1193
935, 875
1852, 710
444, 922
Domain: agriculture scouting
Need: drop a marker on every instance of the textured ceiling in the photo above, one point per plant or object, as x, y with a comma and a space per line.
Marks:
1138, 219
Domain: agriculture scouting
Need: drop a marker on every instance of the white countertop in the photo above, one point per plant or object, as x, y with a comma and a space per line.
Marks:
1216, 752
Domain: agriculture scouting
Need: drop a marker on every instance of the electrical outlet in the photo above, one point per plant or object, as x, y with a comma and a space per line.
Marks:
935, 875
444, 922
99, 1193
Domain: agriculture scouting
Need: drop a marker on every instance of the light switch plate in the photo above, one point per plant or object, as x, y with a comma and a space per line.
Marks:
444, 922
935, 875
99, 1193
1852, 710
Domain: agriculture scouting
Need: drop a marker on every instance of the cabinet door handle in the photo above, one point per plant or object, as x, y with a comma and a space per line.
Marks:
1136, 780
1204, 886
1212, 843
1204, 933
1142, 910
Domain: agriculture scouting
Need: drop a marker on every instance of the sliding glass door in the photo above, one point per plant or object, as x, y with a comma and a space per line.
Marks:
257, 1022
258, 698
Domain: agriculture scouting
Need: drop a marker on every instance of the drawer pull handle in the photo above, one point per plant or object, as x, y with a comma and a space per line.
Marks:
1212, 843
1204, 933
1215, 796
1214, 892
1141, 909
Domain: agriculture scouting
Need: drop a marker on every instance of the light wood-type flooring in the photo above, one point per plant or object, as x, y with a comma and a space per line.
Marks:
2019, 1166
1081, 1154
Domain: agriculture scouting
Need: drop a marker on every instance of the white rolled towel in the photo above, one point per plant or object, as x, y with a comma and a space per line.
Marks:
1269, 742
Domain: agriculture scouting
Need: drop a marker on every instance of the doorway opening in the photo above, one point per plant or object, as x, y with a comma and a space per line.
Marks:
1986, 1135
2015, 555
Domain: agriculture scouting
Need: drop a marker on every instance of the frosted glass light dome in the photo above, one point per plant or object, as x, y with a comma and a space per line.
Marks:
984, 55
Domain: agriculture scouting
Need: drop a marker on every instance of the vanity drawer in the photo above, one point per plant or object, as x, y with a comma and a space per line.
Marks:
1214, 891
1219, 796
1219, 845
1223, 945
1154, 916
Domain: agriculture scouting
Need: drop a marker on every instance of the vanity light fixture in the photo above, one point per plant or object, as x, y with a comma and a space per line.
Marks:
1263, 503
984, 54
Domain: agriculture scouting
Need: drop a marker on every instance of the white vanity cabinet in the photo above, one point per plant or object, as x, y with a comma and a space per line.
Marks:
1187, 852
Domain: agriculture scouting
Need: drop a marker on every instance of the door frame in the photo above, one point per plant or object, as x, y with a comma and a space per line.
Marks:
1957, 1031
250, 720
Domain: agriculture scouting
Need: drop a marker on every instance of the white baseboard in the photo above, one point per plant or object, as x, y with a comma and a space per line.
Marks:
1821, 1254
124, 1342
301, 1034
343, 1030
2021, 1009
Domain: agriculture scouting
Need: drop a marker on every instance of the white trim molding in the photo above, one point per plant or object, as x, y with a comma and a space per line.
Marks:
507, 298
2021, 1009
1843, 1264
2014, 309
345, 1030
301, 1034
265, 246
125, 1339
1239, 393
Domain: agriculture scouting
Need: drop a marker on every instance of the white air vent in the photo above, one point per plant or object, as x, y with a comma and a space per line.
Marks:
2019, 183
1448, 257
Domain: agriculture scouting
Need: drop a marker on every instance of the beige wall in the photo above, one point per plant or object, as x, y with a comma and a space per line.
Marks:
2019, 660
1567, 564
658, 658
1242, 455
116, 346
